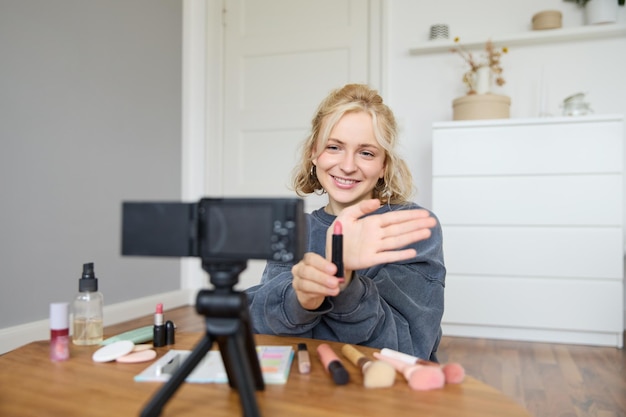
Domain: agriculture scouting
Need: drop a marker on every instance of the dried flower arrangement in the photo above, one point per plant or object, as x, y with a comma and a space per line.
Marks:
491, 59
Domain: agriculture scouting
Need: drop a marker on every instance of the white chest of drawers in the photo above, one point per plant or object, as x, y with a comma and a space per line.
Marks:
532, 214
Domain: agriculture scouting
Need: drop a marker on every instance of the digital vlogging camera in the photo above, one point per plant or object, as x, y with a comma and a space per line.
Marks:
216, 229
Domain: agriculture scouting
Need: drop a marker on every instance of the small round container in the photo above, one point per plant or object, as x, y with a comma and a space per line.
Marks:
575, 105
547, 19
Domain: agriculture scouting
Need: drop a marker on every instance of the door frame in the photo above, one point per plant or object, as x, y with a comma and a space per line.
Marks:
203, 96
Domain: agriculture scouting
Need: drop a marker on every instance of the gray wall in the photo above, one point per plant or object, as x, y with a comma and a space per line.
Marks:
90, 116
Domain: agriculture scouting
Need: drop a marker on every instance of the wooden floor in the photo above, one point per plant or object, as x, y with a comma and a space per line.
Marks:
549, 380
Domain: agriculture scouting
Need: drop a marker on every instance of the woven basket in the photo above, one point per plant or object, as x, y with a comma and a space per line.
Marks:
548, 19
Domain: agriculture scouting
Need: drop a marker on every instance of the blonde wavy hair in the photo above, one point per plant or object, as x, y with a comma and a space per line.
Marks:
396, 186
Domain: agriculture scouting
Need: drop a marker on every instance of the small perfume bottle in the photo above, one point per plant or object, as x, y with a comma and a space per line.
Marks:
87, 309
59, 332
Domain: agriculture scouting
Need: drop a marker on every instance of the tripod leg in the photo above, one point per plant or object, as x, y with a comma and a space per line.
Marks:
155, 406
250, 350
238, 363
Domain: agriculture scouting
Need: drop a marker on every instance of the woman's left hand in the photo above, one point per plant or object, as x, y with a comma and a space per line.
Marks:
376, 239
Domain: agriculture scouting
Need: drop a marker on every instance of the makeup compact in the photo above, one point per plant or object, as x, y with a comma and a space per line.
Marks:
113, 351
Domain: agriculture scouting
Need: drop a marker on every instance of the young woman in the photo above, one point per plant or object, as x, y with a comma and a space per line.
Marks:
392, 292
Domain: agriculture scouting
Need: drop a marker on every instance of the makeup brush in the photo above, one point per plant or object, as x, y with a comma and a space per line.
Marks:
453, 371
332, 364
376, 374
419, 377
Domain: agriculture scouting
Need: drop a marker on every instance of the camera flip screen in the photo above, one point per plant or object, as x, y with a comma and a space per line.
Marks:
216, 229
232, 230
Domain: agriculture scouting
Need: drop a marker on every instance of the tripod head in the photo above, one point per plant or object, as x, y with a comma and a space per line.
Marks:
224, 275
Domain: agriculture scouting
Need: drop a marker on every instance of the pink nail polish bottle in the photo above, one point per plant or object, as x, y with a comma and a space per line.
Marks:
59, 332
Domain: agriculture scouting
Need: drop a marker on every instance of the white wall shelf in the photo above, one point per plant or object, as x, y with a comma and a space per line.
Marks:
527, 38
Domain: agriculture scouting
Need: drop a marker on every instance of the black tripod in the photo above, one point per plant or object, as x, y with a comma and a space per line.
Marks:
228, 324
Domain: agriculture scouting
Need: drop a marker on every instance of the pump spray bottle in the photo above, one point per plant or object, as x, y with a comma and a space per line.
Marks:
87, 309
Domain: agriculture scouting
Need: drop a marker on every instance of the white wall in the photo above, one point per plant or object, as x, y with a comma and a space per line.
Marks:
90, 116
420, 88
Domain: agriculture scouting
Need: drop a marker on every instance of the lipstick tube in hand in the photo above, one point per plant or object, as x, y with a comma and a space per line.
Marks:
337, 250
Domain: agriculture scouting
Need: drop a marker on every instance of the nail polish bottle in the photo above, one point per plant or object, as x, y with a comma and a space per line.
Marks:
59, 332
87, 309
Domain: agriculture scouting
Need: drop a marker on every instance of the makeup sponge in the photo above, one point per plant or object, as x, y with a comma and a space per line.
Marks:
453, 372
419, 377
424, 378
138, 356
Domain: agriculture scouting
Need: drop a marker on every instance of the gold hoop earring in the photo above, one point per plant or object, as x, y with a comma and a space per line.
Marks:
383, 189
313, 171
386, 192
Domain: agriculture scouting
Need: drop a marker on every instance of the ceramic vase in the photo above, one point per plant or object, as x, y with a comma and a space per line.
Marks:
482, 80
601, 11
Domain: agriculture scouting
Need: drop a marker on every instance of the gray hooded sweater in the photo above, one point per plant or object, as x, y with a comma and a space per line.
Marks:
397, 306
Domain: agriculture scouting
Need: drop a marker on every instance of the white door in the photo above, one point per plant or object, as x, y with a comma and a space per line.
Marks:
281, 58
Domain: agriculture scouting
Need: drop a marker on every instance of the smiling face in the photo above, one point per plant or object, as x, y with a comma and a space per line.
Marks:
351, 162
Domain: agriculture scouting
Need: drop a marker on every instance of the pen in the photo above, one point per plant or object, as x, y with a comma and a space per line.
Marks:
304, 362
337, 249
